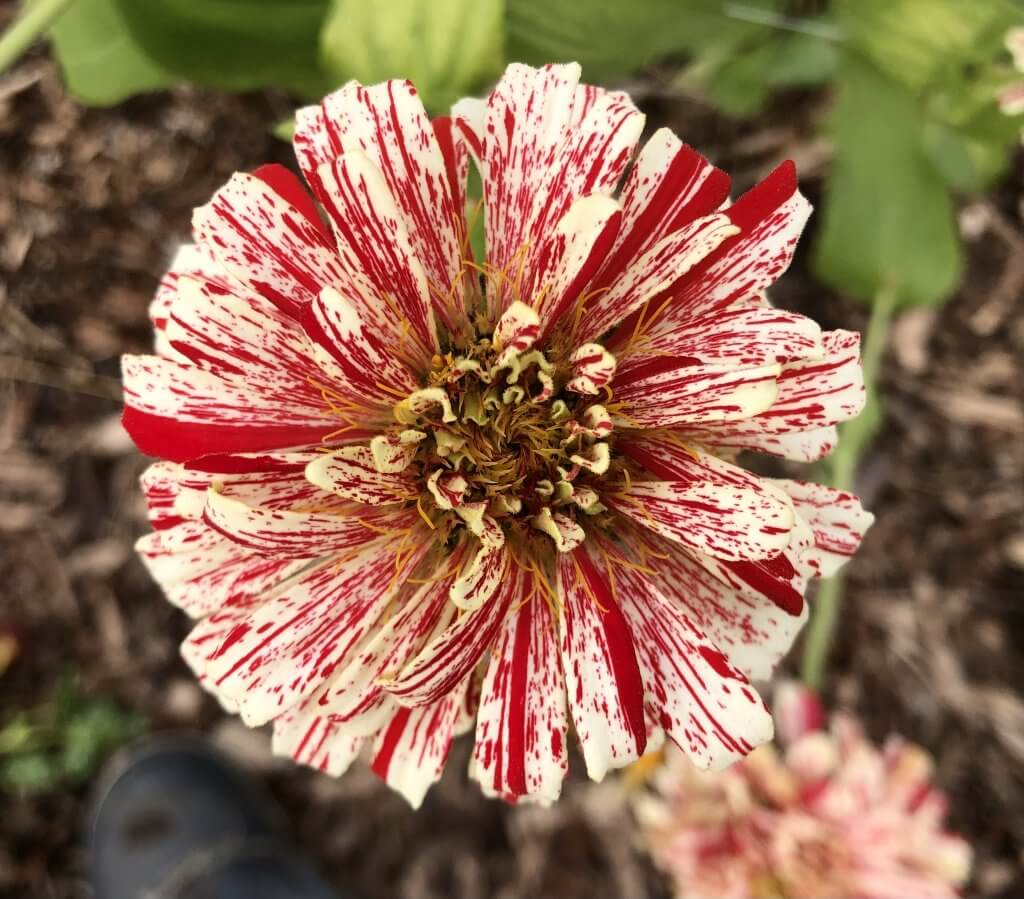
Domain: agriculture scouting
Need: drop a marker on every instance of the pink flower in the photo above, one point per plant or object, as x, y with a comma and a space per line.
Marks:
409, 494
831, 818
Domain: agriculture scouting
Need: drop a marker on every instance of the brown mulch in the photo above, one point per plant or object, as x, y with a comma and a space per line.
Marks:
92, 205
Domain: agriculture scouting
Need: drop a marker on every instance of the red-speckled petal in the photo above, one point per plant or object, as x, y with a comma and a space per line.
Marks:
315, 742
351, 472
522, 723
603, 681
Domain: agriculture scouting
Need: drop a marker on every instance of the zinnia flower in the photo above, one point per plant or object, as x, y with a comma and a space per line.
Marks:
409, 493
831, 818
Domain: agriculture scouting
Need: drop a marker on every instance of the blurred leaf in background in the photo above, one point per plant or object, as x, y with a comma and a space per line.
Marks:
99, 59
447, 48
62, 741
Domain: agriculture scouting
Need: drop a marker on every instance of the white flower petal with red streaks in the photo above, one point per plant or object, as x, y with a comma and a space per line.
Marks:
307, 534
742, 336
770, 217
351, 472
444, 662
353, 355
668, 187
812, 396
193, 564
265, 242
515, 332
837, 519
602, 679
522, 724
410, 752
702, 701
354, 695
448, 488
374, 246
477, 582
388, 124
545, 142
656, 271
295, 641
179, 411
667, 391
315, 742
568, 256
160, 484
724, 521
748, 626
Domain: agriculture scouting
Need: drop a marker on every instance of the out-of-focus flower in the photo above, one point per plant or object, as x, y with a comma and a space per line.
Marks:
1011, 97
831, 817
409, 493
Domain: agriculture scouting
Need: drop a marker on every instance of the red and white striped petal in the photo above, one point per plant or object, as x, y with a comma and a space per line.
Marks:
423, 174
748, 626
812, 396
742, 336
315, 742
301, 534
410, 752
652, 274
193, 262
522, 725
193, 564
722, 520
837, 518
180, 411
160, 484
602, 678
354, 695
669, 187
295, 641
556, 274
592, 368
357, 362
515, 332
770, 217
269, 245
375, 246
444, 662
351, 472
545, 142
704, 703
666, 391
393, 453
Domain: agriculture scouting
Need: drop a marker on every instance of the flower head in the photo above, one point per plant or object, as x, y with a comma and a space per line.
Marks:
832, 817
409, 493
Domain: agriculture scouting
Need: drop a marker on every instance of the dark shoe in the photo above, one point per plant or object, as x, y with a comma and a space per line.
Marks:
175, 820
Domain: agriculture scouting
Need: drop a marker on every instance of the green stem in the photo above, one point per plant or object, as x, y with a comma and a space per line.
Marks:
35, 18
842, 472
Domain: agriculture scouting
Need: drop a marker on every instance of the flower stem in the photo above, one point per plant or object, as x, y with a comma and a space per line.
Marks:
842, 471
36, 16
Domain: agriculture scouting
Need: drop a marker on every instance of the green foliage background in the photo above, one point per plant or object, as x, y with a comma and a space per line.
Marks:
914, 120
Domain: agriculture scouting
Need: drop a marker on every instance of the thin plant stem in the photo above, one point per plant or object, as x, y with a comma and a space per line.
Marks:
842, 472
33, 21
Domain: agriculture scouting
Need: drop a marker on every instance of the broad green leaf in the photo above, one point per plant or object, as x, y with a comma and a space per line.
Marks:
99, 58
233, 44
921, 41
447, 48
613, 38
888, 217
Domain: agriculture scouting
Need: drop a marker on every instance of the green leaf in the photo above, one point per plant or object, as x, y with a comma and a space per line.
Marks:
920, 41
888, 217
613, 38
233, 44
99, 58
448, 48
